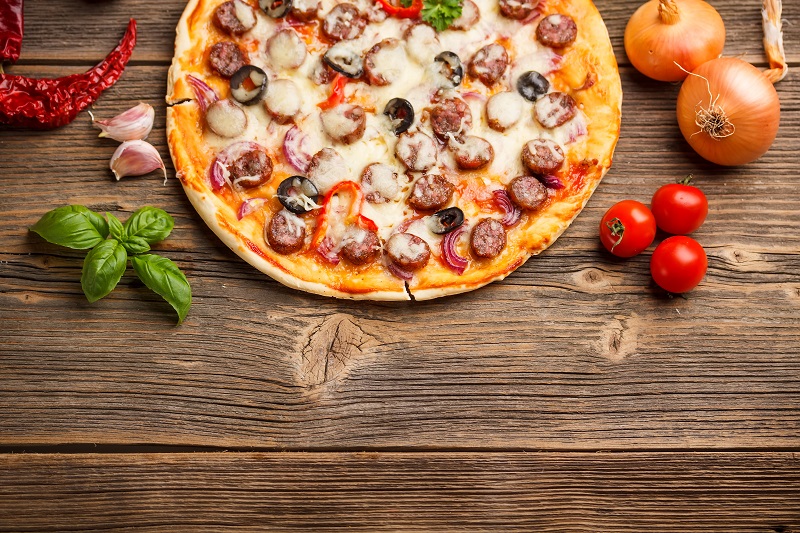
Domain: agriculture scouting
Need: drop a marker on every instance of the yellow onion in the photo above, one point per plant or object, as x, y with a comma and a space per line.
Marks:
728, 111
662, 33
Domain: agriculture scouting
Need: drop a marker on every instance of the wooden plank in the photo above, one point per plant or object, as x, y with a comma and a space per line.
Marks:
540, 492
576, 350
59, 27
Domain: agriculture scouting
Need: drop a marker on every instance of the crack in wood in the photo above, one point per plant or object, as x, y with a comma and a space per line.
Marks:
331, 350
618, 339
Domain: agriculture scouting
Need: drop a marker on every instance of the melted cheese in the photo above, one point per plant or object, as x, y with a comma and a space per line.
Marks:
402, 245
416, 85
422, 43
421, 230
390, 62
420, 146
245, 14
383, 180
505, 109
283, 98
286, 50
336, 124
331, 170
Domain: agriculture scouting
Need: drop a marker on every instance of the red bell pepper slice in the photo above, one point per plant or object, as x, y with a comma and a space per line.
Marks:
337, 94
400, 12
354, 216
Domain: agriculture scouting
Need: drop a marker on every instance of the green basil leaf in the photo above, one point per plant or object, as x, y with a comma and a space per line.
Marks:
136, 245
115, 227
73, 226
102, 269
165, 278
150, 223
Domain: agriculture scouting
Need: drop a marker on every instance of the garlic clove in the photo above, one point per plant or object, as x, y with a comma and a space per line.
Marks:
133, 124
136, 158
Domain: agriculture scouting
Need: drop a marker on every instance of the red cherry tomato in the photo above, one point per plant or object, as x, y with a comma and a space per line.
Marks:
679, 208
627, 228
678, 264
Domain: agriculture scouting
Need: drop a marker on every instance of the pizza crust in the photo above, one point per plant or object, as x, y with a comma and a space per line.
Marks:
600, 103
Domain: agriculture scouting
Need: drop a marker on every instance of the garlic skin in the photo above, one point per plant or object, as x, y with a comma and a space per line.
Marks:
136, 158
130, 125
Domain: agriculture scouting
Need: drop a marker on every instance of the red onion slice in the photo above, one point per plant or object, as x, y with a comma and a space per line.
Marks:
205, 94
535, 14
325, 249
552, 182
576, 128
217, 174
296, 145
399, 272
451, 257
474, 95
511, 212
249, 206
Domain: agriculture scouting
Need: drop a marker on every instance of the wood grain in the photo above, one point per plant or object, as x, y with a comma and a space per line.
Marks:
576, 350
542, 492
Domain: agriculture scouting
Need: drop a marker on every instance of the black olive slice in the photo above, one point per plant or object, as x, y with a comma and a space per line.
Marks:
401, 113
532, 85
446, 220
298, 194
275, 8
450, 68
249, 85
343, 59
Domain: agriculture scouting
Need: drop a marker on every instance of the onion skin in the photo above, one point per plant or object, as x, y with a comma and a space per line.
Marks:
690, 38
749, 101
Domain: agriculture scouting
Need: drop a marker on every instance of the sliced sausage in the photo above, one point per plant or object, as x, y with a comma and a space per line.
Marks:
380, 184
385, 62
470, 15
488, 238
286, 49
554, 109
450, 117
503, 110
345, 123
527, 192
416, 150
517, 9
234, 17
542, 156
489, 63
422, 43
327, 168
430, 192
557, 31
305, 10
472, 153
286, 232
344, 21
361, 246
408, 251
283, 101
322, 73
251, 169
226, 58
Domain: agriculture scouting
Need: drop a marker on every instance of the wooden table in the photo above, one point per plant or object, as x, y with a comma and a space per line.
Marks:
573, 396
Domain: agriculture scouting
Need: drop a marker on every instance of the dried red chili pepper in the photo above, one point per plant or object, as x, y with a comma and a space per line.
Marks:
10, 30
53, 102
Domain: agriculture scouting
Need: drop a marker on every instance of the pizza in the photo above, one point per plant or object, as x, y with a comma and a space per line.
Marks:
351, 149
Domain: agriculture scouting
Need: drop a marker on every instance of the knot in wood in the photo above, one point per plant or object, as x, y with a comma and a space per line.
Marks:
331, 348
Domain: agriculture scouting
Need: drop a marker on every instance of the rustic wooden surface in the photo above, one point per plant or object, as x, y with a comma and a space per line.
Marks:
693, 402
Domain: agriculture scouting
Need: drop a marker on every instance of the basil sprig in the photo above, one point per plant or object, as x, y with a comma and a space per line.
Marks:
77, 227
